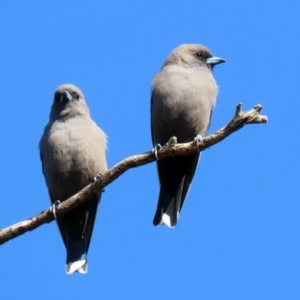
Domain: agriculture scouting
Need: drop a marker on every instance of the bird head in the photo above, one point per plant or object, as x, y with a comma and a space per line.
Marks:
193, 55
68, 102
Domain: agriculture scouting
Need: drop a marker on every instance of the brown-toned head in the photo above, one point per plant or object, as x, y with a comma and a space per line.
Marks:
68, 102
192, 55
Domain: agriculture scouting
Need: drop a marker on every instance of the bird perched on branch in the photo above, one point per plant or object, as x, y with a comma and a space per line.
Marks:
183, 95
73, 153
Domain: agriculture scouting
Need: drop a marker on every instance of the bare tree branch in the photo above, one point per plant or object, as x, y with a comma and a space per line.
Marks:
170, 149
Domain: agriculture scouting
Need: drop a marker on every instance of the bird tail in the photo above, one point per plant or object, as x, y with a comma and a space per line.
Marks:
76, 229
76, 257
169, 205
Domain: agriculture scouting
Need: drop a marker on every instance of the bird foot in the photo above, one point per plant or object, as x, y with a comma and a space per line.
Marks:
53, 208
99, 177
156, 148
198, 140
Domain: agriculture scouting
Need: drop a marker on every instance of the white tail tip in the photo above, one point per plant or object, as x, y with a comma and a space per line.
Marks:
167, 220
80, 266
165, 217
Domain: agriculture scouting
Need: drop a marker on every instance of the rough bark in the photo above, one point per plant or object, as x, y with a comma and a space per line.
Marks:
240, 119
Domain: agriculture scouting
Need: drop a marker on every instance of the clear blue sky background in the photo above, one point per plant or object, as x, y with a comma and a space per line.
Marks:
238, 234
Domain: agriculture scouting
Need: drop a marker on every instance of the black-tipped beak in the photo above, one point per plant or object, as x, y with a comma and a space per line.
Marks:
214, 60
66, 96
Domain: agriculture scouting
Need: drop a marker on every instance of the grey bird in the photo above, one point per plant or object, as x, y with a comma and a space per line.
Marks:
73, 153
183, 95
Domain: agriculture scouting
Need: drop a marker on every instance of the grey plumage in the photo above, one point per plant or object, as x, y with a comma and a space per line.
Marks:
72, 151
183, 95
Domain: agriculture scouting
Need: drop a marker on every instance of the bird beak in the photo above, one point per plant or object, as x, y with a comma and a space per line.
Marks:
214, 60
66, 96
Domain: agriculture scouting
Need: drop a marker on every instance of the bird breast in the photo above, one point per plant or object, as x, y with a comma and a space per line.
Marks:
73, 153
182, 100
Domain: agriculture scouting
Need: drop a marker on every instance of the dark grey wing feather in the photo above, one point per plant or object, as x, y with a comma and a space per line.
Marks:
176, 175
76, 228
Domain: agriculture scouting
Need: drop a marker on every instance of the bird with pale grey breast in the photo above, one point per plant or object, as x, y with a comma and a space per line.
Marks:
73, 153
183, 95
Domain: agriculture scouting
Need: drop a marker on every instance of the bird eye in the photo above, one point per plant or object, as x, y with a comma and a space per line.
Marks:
199, 54
75, 96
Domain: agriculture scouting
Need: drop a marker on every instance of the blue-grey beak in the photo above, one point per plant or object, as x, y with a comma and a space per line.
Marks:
214, 60
65, 95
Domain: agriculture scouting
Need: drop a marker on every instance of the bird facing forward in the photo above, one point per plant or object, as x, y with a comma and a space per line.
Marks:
183, 95
73, 152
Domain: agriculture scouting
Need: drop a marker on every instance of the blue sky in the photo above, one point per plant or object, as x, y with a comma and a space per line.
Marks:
238, 234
